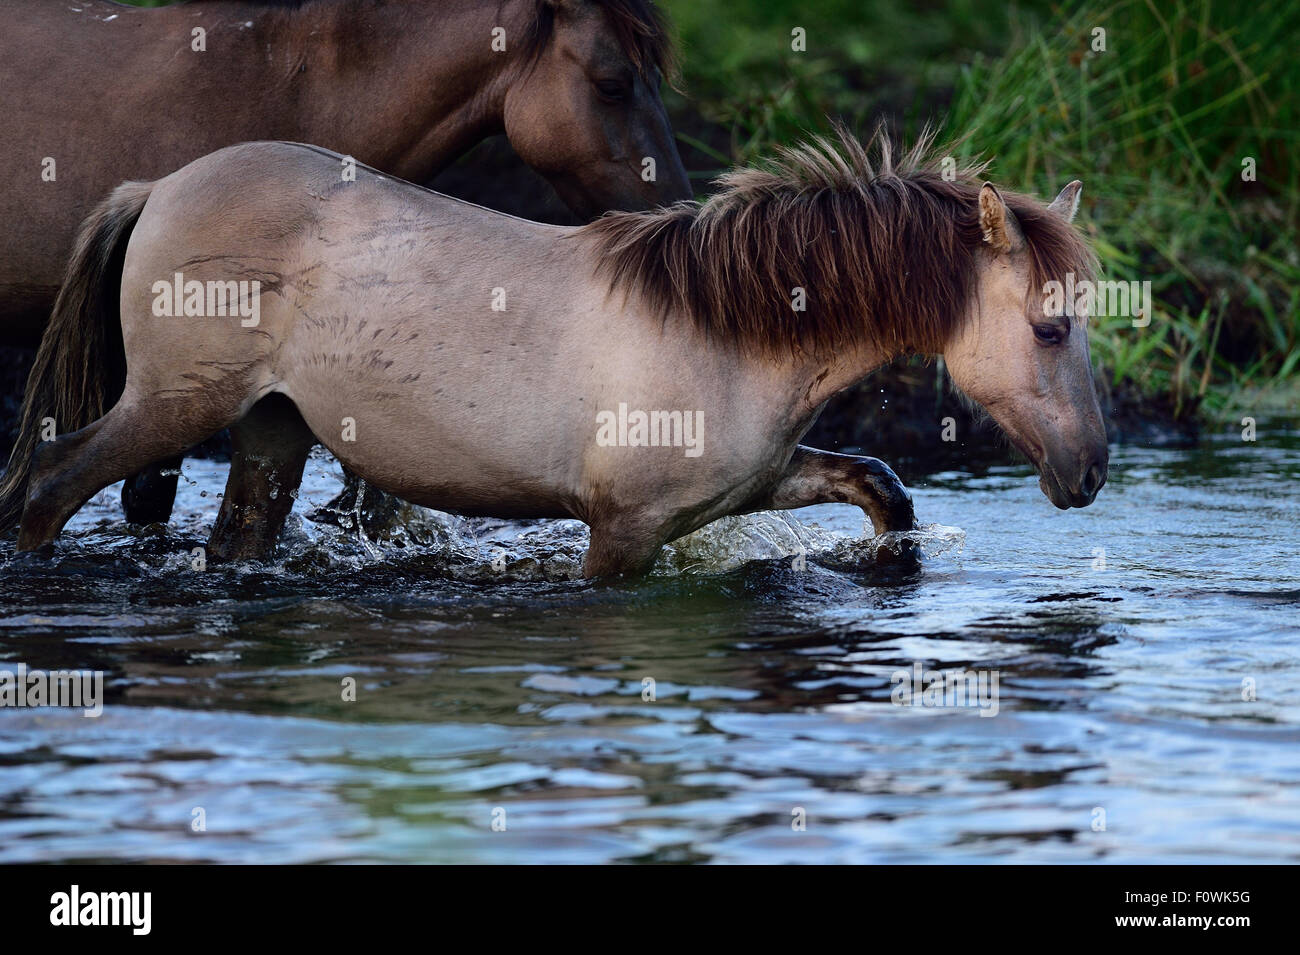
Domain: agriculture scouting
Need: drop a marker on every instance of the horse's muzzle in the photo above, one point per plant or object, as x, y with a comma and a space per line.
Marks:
1080, 492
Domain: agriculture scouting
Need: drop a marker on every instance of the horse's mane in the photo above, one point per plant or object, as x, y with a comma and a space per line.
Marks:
640, 27
883, 249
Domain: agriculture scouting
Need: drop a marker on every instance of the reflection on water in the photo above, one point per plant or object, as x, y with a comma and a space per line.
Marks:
491, 687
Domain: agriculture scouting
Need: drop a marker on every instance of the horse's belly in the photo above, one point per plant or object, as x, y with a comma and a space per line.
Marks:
439, 483
447, 459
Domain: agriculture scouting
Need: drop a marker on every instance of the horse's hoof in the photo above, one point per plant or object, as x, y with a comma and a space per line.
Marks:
897, 550
39, 553
147, 497
376, 513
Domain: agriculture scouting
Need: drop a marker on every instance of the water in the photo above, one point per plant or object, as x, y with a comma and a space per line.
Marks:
491, 688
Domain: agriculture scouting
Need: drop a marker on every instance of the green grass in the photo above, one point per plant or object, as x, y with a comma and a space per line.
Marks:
742, 76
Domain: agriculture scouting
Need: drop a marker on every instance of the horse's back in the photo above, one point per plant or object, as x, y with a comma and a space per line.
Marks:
416, 317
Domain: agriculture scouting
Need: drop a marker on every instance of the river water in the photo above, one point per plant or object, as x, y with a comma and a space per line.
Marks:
740, 705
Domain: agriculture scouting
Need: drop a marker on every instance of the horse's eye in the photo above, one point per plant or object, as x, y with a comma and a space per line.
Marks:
1049, 334
613, 90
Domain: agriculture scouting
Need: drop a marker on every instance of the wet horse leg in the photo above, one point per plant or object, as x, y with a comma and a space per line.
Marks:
823, 477
67, 471
623, 545
269, 448
149, 495
629, 544
377, 508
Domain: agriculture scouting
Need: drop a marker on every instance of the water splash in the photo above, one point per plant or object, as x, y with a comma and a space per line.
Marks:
484, 550
730, 542
475, 550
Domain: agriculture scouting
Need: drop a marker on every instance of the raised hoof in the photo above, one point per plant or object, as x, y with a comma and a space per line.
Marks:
893, 510
902, 554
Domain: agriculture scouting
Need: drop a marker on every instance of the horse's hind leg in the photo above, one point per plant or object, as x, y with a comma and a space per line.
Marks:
67, 471
149, 495
269, 448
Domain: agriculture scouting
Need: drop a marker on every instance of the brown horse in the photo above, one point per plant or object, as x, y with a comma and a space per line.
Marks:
647, 373
97, 93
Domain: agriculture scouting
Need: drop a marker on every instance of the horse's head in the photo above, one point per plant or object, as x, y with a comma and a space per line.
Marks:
585, 111
1028, 365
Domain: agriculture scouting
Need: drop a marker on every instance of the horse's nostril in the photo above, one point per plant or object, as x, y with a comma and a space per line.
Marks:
1092, 481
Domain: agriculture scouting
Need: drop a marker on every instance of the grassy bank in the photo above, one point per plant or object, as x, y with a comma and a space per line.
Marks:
1157, 124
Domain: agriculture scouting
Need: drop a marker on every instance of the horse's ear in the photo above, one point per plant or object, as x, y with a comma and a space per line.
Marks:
1067, 203
997, 222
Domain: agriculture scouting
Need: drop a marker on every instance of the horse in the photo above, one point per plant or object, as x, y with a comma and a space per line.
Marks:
646, 373
97, 93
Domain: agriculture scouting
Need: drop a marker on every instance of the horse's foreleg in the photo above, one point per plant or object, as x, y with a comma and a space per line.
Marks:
269, 448
622, 547
822, 477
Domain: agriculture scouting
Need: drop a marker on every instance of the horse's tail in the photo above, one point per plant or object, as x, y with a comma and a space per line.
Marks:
81, 365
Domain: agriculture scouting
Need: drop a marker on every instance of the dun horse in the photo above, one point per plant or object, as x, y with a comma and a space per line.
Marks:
646, 374
97, 93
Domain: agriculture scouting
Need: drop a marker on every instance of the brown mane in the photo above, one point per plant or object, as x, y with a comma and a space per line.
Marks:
641, 30
886, 250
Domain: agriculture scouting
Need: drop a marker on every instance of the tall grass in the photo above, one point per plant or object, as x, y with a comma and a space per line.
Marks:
742, 75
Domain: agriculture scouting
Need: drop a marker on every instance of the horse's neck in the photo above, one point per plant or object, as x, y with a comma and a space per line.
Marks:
824, 377
409, 86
